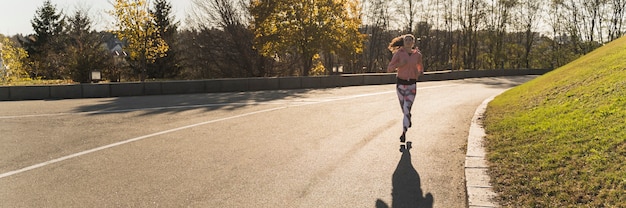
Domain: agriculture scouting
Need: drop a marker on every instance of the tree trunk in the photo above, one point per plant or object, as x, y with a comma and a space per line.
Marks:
307, 63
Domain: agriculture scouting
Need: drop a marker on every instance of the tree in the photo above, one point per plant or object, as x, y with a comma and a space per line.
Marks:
452, 62
134, 26
84, 48
345, 31
169, 65
46, 47
376, 44
47, 24
238, 56
306, 28
409, 9
197, 64
471, 16
617, 19
529, 14
498, 20
593, 19
13, 61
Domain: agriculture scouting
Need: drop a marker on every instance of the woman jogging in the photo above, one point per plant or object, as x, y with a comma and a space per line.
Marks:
407, 60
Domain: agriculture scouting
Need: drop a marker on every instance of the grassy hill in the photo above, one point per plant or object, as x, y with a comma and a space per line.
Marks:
560, 140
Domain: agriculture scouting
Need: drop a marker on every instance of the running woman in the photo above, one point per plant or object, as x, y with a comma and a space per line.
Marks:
407, 61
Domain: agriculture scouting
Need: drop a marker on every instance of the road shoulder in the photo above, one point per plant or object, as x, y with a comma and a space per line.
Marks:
479, 190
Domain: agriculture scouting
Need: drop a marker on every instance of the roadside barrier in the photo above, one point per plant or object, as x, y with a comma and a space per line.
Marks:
101, 90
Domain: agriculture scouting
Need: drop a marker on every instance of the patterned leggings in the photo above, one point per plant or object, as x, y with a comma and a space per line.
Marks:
406, 95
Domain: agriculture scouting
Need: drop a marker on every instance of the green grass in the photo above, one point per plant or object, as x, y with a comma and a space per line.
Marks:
560, 139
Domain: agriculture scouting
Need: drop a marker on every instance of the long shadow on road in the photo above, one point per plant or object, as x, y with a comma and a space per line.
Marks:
167, 104
501, 82
407, 191
184, 102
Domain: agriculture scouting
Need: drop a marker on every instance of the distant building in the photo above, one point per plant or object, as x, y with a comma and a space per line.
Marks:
115, 48
114, 45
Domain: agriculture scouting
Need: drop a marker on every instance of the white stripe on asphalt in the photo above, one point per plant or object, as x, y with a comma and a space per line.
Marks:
129, 141
131, 110
10, 173
306, 101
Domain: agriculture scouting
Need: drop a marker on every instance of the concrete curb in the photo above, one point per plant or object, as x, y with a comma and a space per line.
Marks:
479, 190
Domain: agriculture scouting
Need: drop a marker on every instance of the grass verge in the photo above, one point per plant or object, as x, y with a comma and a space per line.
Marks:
560, 139
33, 82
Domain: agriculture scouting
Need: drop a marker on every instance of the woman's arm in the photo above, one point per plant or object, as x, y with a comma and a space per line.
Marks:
395, 63
420, 66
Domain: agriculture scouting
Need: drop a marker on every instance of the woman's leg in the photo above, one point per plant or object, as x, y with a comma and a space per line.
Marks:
406, 96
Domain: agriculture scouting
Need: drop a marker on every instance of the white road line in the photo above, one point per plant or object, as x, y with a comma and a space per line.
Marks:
306, 101
10, 173
134, 109
131, 140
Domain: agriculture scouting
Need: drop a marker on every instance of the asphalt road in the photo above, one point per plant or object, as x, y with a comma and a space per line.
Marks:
297, 148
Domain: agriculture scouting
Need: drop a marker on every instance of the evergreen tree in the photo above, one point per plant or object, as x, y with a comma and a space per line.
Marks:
84, 50
168, 66
47, 24
46, 45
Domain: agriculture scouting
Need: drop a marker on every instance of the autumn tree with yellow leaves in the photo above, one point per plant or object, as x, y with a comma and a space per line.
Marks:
13, 66
307, 28
134, 25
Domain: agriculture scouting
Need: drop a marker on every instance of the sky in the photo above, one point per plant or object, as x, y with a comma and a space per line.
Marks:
15, 15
